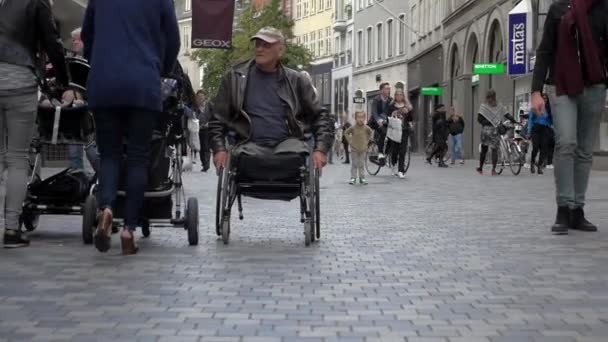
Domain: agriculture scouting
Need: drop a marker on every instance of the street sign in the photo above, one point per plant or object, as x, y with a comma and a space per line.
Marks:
432, 91
475, 79
488, 69
358, 99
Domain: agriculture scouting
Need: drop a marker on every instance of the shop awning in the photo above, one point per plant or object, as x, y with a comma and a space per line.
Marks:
70, 14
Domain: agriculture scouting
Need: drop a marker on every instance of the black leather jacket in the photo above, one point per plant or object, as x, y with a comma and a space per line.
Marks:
306, 115
547, 49
27, 29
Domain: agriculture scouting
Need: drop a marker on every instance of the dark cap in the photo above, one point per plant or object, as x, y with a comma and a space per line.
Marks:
439, 106
269, 35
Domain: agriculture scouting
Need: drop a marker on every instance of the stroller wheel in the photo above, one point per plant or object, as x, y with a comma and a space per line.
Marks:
145, 229
29, 220
192, 221
89, 216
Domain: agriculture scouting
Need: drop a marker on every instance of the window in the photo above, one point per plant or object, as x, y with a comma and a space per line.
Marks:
298, 40
320, 6
306, 42
402, 34
313, 7
328, 4
328, 41
298, 9
370, 45
187, 5
414, 21
389, 38
305, 14
370, 2
320, 43
359, 48
186, 38
337, 45
379, 41
360, 5
313, 42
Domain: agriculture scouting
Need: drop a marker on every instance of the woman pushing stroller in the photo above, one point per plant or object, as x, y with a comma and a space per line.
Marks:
126, 100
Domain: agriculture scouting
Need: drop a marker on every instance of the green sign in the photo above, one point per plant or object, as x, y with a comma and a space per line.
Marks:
489, 69
432, 91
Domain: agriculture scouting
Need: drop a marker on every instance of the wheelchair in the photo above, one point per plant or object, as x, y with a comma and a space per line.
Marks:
282, 177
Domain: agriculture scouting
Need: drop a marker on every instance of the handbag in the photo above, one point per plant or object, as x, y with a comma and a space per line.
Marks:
395, 129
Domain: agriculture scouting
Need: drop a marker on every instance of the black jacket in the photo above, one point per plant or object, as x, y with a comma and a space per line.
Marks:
547, 50
440, 127
305, 114
380, 109
456, 126
27, 29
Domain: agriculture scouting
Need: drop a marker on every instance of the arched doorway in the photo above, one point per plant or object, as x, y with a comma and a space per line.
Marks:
495, 48
454, 72
471, 134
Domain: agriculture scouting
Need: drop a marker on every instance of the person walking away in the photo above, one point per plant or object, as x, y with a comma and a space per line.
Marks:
345, 145
380, 114
571, 63
456, 129
440, 136
130, 45
490, 116
203, 111
401, 108
27, 31
539, 129
358, 137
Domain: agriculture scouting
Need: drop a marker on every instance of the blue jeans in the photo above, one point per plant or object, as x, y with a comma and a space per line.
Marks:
574, 121
456, 152
112, 126
75, 157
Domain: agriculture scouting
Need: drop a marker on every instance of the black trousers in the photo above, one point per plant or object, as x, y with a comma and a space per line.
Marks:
203, 135
346, 152
398, 151
541, 142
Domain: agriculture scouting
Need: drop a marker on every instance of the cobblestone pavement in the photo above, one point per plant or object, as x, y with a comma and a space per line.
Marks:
444, 255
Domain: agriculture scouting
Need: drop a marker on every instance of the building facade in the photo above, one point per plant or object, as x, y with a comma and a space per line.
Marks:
342, 71
424, 67
380, 46
313, 29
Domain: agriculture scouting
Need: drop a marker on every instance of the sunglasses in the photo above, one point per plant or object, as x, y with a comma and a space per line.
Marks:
260, 43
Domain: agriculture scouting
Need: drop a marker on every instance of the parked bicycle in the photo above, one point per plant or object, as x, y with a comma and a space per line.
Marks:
510, 152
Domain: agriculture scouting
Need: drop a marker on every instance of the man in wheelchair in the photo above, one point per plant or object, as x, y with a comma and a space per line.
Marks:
271, 108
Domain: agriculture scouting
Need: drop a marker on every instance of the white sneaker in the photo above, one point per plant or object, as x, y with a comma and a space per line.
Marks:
526, 165
550, 167
381, 156
401, 175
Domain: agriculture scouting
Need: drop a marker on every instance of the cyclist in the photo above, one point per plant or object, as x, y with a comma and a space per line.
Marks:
380, 112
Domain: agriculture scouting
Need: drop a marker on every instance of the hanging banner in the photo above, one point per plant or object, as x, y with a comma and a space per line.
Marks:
520, 39
212, 22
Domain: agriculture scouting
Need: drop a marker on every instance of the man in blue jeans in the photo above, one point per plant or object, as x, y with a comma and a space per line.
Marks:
574, 39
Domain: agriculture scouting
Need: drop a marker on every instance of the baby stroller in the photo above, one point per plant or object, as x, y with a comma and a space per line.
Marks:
60, 123
165, 191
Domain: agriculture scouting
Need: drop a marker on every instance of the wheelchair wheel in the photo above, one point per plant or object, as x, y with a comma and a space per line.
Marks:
218, 203
226, 230
308, 232
372, 164
192, 221
89, 218
317, 196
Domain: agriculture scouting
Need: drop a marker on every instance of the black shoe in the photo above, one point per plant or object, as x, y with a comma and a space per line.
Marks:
540, 170
15, 239
443, 165
532, 169
428, 161
579, 222
562, 221
346, 162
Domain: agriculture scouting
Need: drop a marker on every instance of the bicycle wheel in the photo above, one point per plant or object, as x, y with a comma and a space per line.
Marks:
515, 159
372, 164
408, 156
501, 162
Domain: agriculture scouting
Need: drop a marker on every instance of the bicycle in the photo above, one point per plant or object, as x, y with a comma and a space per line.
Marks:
373, 164
510, 149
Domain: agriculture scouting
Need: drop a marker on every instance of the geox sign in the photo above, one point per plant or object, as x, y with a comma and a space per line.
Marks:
212, 22
520, 39
211, 43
